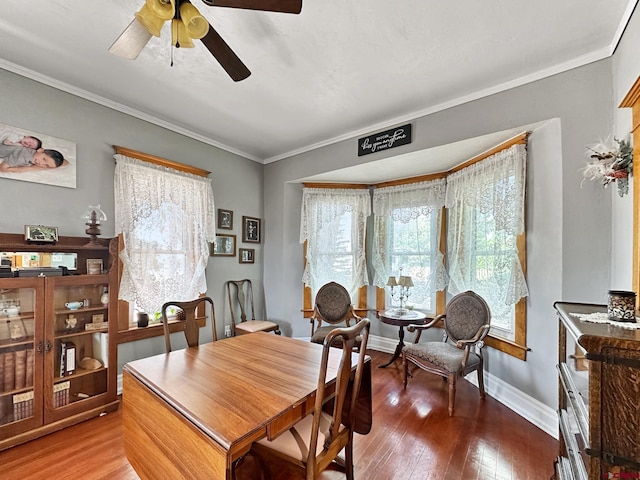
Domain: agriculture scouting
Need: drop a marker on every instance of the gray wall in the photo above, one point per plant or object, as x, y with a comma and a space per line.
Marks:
237, 182
568, 239
626, 68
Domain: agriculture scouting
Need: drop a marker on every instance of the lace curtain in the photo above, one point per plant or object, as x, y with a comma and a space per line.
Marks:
404, 203
333, 223
167, 220
486, 206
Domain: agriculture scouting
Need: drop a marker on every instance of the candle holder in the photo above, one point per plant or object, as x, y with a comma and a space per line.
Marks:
399, 291
94, 216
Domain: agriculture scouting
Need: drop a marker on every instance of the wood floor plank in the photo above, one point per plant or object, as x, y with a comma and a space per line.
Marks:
413, 438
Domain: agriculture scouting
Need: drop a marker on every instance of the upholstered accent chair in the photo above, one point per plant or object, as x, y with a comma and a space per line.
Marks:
466, 323
332, 308
188, 312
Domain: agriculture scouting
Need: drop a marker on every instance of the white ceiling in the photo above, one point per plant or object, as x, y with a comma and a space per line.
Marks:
337, 70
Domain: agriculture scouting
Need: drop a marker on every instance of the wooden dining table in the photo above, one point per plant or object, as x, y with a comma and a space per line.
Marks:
193, 413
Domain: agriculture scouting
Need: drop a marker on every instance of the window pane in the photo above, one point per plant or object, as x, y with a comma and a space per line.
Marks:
412, 248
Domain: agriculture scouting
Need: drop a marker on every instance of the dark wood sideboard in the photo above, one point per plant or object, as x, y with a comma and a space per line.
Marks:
599, 397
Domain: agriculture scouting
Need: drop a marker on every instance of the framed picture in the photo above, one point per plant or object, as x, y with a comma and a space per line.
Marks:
94, 266
251, 230
40, 234
225, 219
247, 255
224, 246
25, 153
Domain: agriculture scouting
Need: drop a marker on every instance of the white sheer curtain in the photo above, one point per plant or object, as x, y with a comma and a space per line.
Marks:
333, 223
167, 219
399, 209
486, 208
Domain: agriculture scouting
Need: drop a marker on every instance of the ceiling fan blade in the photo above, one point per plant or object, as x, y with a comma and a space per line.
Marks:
131, 42
225, 56
283, 6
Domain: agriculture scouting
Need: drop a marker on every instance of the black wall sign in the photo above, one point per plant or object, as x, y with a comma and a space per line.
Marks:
385, 140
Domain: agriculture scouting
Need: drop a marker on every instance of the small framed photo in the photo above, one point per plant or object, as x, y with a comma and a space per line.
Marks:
224, 246
97, 318
225, 219
251, 232
40, 234
247, 255
94, 266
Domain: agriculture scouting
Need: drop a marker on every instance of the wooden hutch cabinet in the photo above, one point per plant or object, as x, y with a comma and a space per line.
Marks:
57, 334
599, 397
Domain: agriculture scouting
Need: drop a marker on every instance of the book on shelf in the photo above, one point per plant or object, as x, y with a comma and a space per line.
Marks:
96, 326
9, 371
28, 374
1, 372
69, 358
20, 358
23, 405
62, 369
61, 394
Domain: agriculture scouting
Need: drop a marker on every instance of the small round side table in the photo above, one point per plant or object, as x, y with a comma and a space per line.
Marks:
391, 317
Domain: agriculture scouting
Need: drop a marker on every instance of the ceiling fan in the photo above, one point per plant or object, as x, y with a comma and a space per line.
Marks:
187, 24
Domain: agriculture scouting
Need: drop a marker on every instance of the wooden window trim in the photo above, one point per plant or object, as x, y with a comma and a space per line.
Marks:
632, 100
518, 347
126, 333
127, 152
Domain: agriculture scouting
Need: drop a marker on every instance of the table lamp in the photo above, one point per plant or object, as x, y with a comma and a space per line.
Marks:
94, 217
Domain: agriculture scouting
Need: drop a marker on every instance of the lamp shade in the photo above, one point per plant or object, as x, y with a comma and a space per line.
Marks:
392, 282
197, 26
94, 214
405, 281
179, 35
150, 21
164, 9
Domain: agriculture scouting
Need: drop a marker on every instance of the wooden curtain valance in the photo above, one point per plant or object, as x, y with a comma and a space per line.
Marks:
518, 140
127, 152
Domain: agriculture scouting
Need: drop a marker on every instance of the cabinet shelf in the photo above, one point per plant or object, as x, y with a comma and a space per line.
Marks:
67, 311
16, 390
78, 373
8, 345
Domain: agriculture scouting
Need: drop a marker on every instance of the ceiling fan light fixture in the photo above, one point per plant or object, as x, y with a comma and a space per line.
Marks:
179, 35
197, 26
150, 21
164, 9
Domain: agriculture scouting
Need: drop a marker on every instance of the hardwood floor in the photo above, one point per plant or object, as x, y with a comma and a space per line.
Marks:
413, 438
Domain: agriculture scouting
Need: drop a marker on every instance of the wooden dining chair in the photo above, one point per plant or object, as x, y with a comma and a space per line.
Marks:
240, 298
313, 443
188, 312
466, 322
332, 307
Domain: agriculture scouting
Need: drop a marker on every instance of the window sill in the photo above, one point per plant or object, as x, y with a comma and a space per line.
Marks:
507, 346
139, 333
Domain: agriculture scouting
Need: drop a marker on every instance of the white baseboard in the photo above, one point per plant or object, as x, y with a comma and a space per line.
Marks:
536, 412
532, 410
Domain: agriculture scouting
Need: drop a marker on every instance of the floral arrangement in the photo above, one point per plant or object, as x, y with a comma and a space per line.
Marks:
611, 164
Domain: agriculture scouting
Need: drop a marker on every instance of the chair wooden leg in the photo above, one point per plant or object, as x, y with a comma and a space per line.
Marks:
348, 459
481, 381
405, 369
452, 393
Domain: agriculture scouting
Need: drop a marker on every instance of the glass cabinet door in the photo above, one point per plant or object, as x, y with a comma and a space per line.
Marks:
79, 317
21, 307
